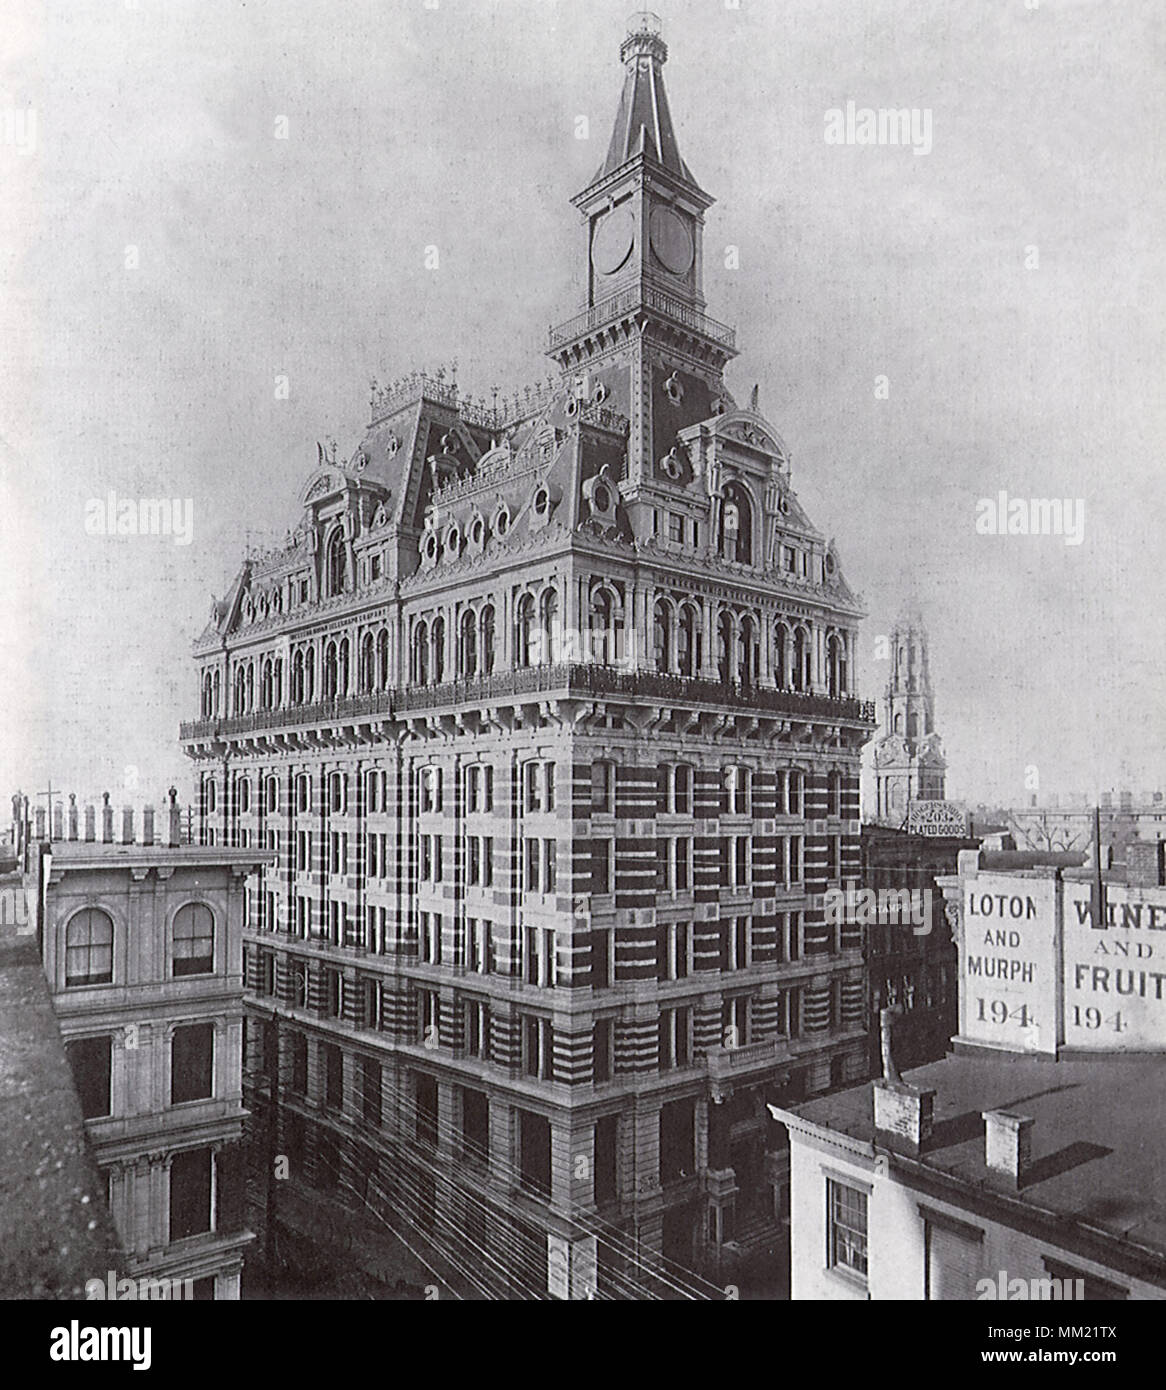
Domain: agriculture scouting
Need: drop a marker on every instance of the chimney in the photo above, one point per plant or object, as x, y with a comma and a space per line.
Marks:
72, 815
148, 825
1007, 1146
127, 825
90, 823
1142, 858
106, 820
174, 819
903, 1114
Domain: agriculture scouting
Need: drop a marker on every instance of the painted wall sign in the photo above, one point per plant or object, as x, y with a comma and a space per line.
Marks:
937, 818
1008, 994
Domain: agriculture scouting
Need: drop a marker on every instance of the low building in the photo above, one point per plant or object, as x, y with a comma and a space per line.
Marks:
141, 945
1018, 1166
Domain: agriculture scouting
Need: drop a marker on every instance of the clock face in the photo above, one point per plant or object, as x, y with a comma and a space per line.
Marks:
671, 240
612, 241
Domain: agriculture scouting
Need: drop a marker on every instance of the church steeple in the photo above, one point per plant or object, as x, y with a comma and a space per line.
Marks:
909, 762
643, 124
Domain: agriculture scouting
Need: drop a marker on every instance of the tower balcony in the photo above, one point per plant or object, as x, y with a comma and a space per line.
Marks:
564, 680
632, 299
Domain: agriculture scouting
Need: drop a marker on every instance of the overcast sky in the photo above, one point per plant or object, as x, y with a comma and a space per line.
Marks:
164, 257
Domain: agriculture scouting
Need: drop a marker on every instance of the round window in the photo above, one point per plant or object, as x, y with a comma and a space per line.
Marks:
542, 500
601, 499
453, 540
502, 522
431, 546
477, 531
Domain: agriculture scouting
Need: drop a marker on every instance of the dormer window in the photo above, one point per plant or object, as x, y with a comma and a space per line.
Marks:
337, 563
736, 531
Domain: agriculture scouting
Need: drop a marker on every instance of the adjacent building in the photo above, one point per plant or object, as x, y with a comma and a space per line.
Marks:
909, 765
141, 943
547, 715
1018, 1167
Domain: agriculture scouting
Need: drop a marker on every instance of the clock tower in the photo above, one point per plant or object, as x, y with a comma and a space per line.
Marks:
643, 343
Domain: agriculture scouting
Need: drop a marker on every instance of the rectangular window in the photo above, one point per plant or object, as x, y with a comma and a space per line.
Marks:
475, 1125
603, 789
846, 1228
372, 1004
681, 798
477, 1029
606, 1159
676, 529
192, 1052
91, 1061
426, 1111
675, 1038
427, 1017
602, 962
534, 1148
299, 1068
191, 1182
538, 1048
550, 865
333, 1064
602, 1049
479, 945
602, 866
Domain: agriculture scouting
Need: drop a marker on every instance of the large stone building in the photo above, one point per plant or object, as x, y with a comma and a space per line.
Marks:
547, 712
141, 943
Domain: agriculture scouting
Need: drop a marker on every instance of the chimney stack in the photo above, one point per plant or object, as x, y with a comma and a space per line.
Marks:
1007, 1146
903, 1114
148, 825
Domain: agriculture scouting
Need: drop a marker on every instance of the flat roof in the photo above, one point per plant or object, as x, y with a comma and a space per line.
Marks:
89, 854
1097, 1156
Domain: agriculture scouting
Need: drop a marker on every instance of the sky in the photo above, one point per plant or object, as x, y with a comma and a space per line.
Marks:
203, 196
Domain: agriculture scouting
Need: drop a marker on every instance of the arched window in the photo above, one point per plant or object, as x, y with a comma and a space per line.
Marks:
548, 628
688, 642
834, 794
781, 655
899, 722
523, 630
194, 940
211, 795
725, 647
218, 692
297, 690
467, 647
366, 673
736, 539
344, 667
801, 665
277, 683
207, 696
419, 657
912, 725
748, 653
89, 948
383, 659
330, 671
303, 792
486, 634
272, 794
240, 690
250, 685
662, 636
337, 563
243, 795
265, 685
310, 675
438, 643
836, 665
606, 627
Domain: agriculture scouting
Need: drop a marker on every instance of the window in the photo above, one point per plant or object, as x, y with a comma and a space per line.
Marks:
1094, 1290
477, 1028
676, 529
333, 992
479, 945
674, 863
337, 562
191, 1183
299, 978
430, 924
738, 791
540, 953
736, 525
479, 788
430, 789
299, 1067
534, 1148
427, 1018
606, 1158
541, 865
372, 1004
603, 789
602, 866
680, 789
192, 1052
91, 1062
736, 1021
602, 1039
672, 947
370, 1091
430, 867
738, 941
475, 1125
834, 794
675, 1038
266, 973
736, 861
194, 940
332, 1065
303, 793
539, 786
538, 1050
846, 1228
602, 958
89, 948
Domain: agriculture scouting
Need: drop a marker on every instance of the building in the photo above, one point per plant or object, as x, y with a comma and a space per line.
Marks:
912, 965
1022, 1158
548, 714
908, 756
141, 944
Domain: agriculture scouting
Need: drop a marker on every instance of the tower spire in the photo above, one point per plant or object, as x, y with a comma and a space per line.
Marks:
643, 123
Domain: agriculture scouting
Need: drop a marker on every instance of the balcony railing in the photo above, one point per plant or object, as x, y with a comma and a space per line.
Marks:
565, 678
634, 297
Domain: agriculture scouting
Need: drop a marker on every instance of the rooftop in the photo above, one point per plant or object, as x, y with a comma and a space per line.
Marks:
1095, 1159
